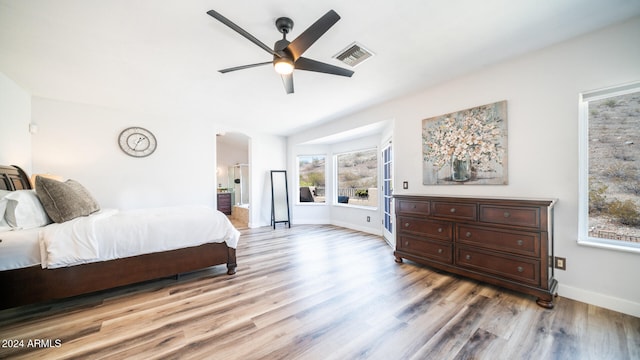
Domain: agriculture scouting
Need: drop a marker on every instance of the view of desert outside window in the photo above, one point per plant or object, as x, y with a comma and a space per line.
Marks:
614, 168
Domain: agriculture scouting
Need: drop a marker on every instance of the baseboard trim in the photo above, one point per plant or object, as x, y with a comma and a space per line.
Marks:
605, 301
365, 229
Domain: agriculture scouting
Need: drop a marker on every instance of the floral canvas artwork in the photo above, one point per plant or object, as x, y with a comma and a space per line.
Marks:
466, 147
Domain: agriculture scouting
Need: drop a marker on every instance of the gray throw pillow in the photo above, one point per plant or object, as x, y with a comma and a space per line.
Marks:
64, 201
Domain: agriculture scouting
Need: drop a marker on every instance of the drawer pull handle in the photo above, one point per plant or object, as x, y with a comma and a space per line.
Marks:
439, 251
439, 230
452, 210
506, 214
519, 242
406, 225
520, 269
406, 243
414, 206
468, 234
468, 257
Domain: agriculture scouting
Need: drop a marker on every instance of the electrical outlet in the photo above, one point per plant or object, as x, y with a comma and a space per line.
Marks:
405, 185
561, 263
368, 218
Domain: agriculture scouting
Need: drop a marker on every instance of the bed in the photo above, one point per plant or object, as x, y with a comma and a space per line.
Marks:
30, 278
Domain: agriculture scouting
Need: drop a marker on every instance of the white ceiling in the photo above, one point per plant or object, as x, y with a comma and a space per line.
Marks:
162, 56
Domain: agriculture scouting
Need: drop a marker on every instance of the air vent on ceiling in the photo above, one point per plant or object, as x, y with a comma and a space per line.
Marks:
354, 54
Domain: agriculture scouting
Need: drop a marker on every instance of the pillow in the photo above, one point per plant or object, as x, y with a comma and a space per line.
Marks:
64, 201
24, 210
4, 226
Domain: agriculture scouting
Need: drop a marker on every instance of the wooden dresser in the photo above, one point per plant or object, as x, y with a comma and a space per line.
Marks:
224, 203
505, 242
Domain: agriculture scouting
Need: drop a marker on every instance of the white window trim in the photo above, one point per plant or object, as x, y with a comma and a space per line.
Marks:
583, 182
334, 200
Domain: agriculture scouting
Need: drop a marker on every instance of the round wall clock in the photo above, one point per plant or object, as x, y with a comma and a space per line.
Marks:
137, 142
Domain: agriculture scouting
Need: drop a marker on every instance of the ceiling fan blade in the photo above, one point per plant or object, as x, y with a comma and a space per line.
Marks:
241, 67
241, 31
287, 81
317, 66
313, 33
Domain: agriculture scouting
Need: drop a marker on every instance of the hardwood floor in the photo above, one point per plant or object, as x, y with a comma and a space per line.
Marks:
316, 292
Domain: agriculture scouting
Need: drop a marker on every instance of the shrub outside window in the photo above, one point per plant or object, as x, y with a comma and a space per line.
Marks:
610, 168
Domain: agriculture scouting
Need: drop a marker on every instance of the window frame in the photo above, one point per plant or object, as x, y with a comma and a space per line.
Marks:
336, 175
298, 202
583, 168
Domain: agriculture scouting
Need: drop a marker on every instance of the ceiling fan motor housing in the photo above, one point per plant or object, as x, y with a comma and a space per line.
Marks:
284, 25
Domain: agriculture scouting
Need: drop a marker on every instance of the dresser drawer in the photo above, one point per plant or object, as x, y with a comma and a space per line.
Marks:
516, 216
451, 210
517, 242
430, 228
436, 250
413, 207
508, 267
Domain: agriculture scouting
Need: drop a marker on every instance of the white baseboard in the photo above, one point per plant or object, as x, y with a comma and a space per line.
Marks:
365, 229
347, 225
605, 301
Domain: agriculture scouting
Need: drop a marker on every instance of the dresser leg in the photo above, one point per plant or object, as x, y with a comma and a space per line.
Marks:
398, 259
547, 304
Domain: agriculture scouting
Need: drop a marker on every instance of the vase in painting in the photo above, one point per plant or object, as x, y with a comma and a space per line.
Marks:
460, 167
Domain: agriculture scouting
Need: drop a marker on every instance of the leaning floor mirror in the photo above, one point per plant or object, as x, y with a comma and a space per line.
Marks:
279, 198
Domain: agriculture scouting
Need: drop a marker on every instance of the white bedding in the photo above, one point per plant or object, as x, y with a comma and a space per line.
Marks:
19, 249
110, 234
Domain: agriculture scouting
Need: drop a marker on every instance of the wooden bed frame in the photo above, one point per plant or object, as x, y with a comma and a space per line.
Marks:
35, 284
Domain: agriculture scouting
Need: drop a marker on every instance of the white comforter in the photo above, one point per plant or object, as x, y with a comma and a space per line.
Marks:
110, 234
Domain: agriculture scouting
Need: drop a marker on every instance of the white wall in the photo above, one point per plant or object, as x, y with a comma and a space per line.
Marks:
266, 153
80, 141
541, 90
15, 116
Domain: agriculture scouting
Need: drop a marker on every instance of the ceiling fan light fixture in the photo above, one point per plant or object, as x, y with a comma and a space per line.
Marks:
283, 66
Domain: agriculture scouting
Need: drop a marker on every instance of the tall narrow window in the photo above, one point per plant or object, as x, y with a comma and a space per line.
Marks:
311, 178
610, 168
387, 189
357, 178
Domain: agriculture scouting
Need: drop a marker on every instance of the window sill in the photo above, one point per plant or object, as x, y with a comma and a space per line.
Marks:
362, 207
311, 204
611, 245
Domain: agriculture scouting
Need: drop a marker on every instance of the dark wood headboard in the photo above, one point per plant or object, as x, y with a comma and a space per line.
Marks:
13, 178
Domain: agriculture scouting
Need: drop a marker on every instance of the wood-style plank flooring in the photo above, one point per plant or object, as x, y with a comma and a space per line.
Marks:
316, 292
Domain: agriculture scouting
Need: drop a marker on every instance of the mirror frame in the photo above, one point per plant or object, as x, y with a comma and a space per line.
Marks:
279, 198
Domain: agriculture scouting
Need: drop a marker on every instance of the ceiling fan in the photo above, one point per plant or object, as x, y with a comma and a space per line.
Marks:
287, 55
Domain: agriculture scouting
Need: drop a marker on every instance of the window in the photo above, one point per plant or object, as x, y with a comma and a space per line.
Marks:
357, 178
311, 178
387, 187
610, 168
